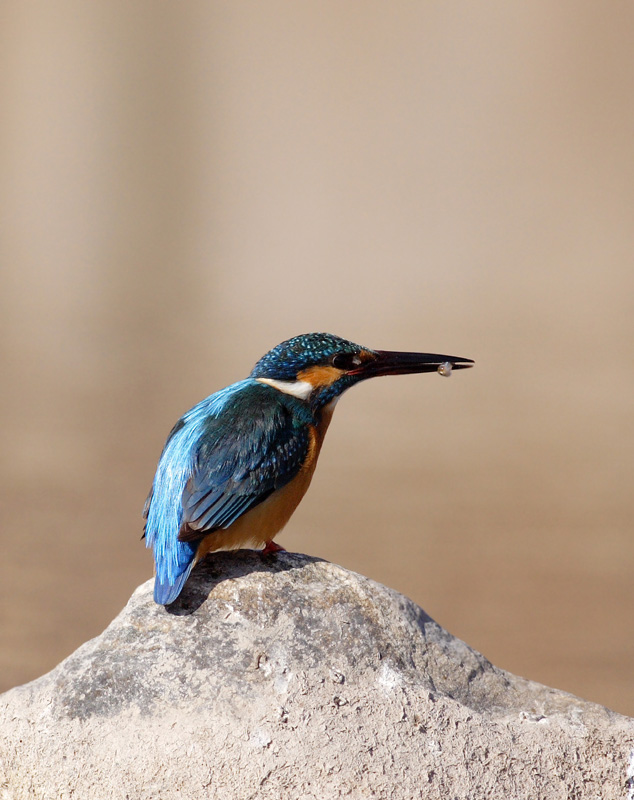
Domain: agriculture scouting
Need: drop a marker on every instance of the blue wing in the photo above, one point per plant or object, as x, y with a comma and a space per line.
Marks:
225, 456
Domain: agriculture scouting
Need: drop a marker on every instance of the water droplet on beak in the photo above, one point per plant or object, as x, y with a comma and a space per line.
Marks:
445, 369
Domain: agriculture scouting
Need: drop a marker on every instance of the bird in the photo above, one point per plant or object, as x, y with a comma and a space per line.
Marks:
235, 466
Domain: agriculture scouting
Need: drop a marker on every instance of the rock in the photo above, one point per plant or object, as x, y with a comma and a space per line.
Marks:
289, 677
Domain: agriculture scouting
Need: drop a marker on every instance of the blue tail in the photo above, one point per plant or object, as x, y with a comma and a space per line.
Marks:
165, 592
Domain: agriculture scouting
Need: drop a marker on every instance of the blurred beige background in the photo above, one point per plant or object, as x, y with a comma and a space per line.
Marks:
183, 185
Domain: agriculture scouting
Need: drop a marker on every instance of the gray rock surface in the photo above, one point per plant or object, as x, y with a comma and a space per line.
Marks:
289, 677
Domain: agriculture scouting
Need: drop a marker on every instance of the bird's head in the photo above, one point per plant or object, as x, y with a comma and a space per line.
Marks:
318, 367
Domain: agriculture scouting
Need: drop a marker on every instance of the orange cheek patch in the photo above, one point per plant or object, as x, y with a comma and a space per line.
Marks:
319, 376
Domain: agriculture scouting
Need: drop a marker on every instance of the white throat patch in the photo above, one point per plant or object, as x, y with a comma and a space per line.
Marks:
301, 389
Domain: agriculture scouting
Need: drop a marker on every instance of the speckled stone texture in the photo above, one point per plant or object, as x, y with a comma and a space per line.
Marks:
289, 677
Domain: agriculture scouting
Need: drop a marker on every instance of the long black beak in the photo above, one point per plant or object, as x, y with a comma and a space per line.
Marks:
394, 363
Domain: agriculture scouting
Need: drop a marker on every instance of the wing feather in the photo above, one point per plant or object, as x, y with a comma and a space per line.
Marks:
255, 447
223, 457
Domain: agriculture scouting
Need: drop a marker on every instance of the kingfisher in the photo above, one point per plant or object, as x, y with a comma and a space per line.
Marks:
235, 466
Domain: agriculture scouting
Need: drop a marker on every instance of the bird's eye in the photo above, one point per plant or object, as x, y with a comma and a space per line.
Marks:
346, 361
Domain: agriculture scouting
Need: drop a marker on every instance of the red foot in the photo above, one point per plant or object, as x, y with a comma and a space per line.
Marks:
272, 547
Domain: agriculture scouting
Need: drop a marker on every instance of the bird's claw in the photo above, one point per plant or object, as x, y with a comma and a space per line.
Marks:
272, 547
